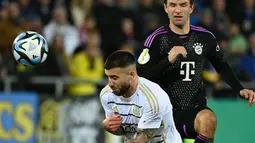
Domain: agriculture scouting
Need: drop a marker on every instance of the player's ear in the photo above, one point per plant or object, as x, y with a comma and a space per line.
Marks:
132, 74
191, 8
165, 8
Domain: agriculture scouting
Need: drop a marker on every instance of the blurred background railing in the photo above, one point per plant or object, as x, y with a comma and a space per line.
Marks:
58, 82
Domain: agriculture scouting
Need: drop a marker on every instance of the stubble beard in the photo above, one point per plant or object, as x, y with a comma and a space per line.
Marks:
123, 90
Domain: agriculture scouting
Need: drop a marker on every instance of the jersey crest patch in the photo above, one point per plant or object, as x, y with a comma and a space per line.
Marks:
144, 57
136, 111
115, 109
198, 47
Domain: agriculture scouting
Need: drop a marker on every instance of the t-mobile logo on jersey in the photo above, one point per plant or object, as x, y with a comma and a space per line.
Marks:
188, 70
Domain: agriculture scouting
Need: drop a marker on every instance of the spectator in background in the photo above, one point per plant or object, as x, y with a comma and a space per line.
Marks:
248, 17
127, 31
44, 9
124, 12
150, 16
60, 26
11, 25
57, 60
128, 47
87, 64
35, 24
109, 27
80, 10
27, 9
237, 44
89, 24
207, 22
220, 18
248, 60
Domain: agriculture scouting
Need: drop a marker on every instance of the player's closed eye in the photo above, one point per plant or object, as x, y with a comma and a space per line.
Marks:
114, 77
184, 4
172, 5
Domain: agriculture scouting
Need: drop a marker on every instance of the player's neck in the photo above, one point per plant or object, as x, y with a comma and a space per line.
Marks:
132, 89
180, 30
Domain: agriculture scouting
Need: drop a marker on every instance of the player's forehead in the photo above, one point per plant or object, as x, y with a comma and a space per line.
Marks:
178, 1
113, 71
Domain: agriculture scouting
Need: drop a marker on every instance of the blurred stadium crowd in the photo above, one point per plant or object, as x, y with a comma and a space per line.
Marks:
82, 33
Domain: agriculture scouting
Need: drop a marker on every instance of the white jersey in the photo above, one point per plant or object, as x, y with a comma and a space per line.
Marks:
148, 108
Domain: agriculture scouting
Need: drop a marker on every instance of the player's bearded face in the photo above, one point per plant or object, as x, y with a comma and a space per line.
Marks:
121, 89
178, 11
118, 81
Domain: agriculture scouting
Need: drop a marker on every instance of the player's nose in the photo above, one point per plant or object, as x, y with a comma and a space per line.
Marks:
177, 10
110, 83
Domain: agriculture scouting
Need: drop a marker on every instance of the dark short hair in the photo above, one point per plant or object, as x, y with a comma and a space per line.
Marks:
191, 2
119, 59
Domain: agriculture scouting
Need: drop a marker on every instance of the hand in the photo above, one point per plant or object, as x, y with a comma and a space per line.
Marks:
248, 94
175, 51
113, 122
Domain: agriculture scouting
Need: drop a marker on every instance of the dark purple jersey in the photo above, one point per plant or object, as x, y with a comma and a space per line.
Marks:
183, 80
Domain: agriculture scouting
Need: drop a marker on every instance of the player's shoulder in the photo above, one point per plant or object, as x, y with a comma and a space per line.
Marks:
155, 34
152, 88
202, 31
105, 93
154, 97
148, 83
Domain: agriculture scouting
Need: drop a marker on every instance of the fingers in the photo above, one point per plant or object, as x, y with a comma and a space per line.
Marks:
244, 93
248, 94
115, 125
183, 52
252, 101
251, 98
179, 50
114, 122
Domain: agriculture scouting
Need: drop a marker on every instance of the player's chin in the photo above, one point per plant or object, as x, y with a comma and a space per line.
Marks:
116, 92
179, 23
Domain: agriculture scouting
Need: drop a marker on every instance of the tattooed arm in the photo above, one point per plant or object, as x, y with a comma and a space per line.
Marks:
143, 136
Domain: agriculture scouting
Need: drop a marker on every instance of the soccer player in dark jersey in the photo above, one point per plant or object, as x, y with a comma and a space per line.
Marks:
174, 56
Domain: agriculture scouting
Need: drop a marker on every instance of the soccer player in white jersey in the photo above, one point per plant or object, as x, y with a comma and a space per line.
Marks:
134, 106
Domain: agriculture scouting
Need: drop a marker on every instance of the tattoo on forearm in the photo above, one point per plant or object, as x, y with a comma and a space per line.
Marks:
148, 133
143, 136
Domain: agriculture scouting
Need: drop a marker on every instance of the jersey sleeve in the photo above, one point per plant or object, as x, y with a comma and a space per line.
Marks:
215, 53
150, 63
216, 57
153, 112
104, 101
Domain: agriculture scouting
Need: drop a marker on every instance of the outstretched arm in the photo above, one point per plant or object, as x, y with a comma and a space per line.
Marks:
215, 56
